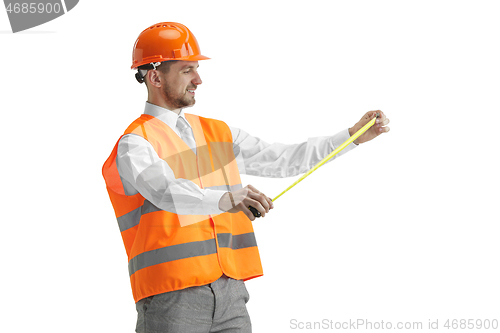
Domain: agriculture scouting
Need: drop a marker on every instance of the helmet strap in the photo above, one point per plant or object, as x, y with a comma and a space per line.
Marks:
139, 76
141, 73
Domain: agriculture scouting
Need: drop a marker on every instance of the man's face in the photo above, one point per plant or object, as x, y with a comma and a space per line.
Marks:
180, 84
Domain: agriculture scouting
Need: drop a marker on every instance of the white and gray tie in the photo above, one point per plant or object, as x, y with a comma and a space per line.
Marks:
186, 133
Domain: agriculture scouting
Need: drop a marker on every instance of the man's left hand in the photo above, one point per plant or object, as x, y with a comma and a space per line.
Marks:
378, 128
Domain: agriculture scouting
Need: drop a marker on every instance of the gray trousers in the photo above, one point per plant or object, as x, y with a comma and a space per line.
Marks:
216, 307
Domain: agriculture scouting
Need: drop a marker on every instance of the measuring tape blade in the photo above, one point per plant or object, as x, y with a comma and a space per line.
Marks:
331, 155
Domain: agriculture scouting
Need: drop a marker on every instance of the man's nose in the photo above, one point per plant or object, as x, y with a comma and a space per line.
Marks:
197, 79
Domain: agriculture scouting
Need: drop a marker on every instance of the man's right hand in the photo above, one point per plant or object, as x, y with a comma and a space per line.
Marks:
241, 199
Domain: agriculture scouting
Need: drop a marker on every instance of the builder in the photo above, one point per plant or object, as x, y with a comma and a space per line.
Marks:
174, 181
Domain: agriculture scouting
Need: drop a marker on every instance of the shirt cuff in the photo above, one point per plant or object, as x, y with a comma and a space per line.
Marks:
211, 201
339, 139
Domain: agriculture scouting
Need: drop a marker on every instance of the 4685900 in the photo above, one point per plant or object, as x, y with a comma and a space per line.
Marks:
34, 7
476, 324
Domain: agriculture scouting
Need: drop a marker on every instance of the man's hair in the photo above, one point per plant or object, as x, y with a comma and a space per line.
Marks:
164, 67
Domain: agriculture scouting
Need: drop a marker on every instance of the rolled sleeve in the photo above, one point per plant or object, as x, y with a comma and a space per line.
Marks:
258, 158
340, 138
211, 201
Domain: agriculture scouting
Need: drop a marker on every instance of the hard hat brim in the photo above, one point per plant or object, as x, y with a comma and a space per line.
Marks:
188, 58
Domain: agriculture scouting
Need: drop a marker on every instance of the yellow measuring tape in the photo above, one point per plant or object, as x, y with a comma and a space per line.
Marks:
333, 153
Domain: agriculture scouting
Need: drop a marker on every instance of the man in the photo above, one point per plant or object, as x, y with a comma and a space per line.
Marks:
174, 182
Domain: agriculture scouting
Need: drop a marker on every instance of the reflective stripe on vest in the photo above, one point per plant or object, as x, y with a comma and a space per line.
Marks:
189, 250
131, 219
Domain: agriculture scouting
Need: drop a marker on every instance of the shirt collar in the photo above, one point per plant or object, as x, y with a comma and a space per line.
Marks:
167, 116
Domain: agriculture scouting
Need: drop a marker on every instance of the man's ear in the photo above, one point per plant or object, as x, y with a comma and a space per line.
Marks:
153, 77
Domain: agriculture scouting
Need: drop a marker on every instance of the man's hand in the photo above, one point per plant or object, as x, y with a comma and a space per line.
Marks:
378, 128
238, 201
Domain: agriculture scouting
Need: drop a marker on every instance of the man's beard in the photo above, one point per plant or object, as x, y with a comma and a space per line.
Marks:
176, 101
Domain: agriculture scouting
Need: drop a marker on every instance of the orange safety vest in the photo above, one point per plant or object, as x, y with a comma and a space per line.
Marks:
167, 251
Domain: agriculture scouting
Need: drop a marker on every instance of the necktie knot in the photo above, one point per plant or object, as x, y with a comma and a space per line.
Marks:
181, 124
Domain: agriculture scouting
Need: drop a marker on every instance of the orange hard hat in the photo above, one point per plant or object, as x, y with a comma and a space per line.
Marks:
165, 41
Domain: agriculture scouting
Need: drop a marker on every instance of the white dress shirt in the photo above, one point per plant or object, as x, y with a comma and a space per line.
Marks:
142, 170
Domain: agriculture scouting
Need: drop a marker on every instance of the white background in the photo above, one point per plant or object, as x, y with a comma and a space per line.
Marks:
403, 228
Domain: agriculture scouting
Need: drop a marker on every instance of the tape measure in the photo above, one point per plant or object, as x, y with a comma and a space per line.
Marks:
363, 129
